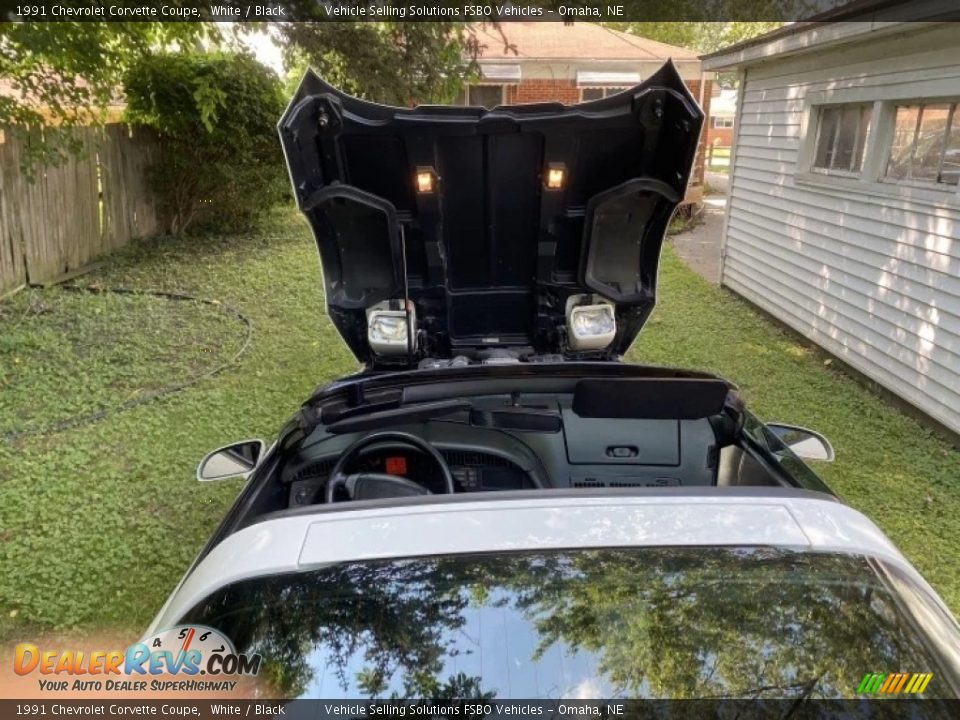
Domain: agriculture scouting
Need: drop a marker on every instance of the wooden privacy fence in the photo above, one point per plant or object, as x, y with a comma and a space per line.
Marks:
98, 200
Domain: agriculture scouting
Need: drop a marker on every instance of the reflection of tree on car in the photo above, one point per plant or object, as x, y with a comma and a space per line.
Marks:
659, 622
287, 619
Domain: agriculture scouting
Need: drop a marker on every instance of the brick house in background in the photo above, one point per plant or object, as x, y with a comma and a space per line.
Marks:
723, 114
570, 63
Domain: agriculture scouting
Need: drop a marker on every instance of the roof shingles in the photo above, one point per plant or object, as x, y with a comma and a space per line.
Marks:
580, 41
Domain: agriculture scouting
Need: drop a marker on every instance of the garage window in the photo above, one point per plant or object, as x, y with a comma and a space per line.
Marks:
841, 135
926, 144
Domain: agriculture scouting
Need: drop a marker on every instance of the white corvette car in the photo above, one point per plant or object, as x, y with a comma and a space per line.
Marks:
497, 506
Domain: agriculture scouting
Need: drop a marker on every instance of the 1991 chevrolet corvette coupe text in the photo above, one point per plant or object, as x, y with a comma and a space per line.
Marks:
496, 505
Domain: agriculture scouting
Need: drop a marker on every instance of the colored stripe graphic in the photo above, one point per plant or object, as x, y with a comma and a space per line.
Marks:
894, 683
870, 683
891, 679
899, 685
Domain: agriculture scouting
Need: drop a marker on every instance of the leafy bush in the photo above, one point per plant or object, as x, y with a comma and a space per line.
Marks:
221, 164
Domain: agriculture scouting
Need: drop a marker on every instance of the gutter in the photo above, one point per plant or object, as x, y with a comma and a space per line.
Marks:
803, 38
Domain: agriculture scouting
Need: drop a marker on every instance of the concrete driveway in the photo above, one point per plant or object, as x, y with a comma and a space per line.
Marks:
699, 247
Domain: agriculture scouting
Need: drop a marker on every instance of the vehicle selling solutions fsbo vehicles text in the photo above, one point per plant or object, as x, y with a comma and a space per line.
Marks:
466, 12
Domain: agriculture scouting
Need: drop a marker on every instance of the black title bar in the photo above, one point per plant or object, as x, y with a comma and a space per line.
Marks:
460, 11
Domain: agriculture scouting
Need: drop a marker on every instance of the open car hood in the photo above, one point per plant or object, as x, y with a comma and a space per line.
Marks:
484, 233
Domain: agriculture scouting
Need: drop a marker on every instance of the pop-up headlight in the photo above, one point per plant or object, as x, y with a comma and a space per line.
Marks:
590, 327
387, 329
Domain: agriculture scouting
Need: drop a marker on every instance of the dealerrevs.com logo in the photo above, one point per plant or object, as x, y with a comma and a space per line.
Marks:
186, 650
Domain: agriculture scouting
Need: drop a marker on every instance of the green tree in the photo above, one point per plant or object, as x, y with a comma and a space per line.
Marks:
704, 37
67, 74
216, 113
398, 63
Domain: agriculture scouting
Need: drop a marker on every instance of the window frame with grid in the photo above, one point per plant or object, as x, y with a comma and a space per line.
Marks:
824, 160
883, 141
909, 173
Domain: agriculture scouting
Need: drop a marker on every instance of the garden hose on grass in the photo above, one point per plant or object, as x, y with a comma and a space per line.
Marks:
92, 417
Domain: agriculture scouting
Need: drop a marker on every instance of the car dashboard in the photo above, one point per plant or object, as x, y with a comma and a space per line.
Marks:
489, 449
472, 470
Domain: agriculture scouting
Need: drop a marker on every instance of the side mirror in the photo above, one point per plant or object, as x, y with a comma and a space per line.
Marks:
805, 443
236, 460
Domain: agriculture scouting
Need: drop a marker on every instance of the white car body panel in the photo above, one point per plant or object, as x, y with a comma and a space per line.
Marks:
306, 541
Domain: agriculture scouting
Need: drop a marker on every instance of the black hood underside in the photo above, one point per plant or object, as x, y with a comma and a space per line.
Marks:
489, 253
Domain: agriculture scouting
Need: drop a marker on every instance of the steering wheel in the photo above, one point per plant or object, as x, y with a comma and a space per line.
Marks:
370, 485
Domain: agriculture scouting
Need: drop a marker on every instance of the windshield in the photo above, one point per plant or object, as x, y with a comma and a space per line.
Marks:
636, 623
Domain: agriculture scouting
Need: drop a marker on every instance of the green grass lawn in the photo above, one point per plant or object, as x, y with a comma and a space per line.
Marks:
98, 522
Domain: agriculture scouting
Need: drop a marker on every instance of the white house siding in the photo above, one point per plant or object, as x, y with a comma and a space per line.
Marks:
874, 278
